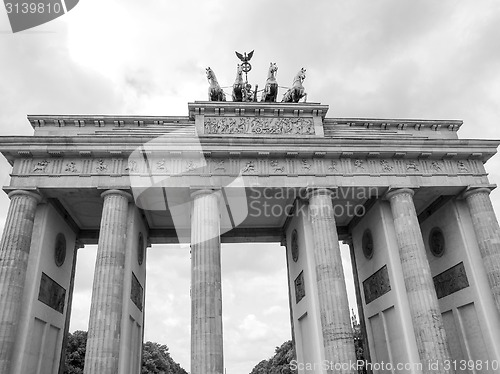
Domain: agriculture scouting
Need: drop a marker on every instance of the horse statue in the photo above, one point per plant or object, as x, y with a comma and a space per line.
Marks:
294, 94
271, 89
215, 93
239, 85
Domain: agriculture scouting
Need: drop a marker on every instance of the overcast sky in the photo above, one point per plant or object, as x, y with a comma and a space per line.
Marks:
383, 59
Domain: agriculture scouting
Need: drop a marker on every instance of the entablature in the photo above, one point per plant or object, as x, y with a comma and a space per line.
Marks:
286, 147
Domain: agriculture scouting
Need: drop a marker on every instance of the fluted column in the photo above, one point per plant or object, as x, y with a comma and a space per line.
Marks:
206, 294
103, 341
332, 294
14, 253
424, 308
488, 236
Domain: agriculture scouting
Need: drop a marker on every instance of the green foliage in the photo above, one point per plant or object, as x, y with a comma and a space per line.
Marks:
279, 363
157, 360
75, 352
155, 357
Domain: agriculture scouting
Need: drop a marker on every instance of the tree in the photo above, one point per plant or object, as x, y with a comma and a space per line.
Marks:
155, 357
279, 363
157, 360
75, 352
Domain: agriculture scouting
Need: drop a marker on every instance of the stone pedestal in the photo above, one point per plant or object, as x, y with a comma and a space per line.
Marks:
14, 253
333, 305
424, 308
206, 295
103, 342
488, 236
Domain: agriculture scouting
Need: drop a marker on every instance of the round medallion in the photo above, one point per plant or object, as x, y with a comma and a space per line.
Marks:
60, 250
367, 244
140, 250
295, 246
246, 67
436, 242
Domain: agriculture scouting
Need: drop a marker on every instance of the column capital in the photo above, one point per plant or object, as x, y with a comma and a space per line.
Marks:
472, 190
398, 190
320, 191
203, 191
117, 192
33, 194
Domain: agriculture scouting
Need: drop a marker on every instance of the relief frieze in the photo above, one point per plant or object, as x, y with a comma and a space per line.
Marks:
160, 165
102, 166
71, 167
131, 167
219, 166
450, 281
300, 289
264, 126
306, 165
136, 292
437, 167
276, 167
51, 293
249, 168
462, 167
376, 285
41, 166
332, 166
264, 166
386, 166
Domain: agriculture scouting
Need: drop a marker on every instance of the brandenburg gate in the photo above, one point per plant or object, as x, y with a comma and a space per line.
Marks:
409, 197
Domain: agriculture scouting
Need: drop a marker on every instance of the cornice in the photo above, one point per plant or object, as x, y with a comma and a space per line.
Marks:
98, 146
105, 120
229, 108
392, 124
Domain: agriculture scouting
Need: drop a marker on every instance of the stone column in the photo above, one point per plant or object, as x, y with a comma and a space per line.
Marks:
103, 341
206, 294
424, 307
332, 294
14, 254
488, 236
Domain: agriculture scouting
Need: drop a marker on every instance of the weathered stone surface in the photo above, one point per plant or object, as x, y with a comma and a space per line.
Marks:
51, 293
424, 308
452, 280
103, 341
273, 163
206, 293
136, 292
300, 290
376, 285
334, 308
14, 253
488, 236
